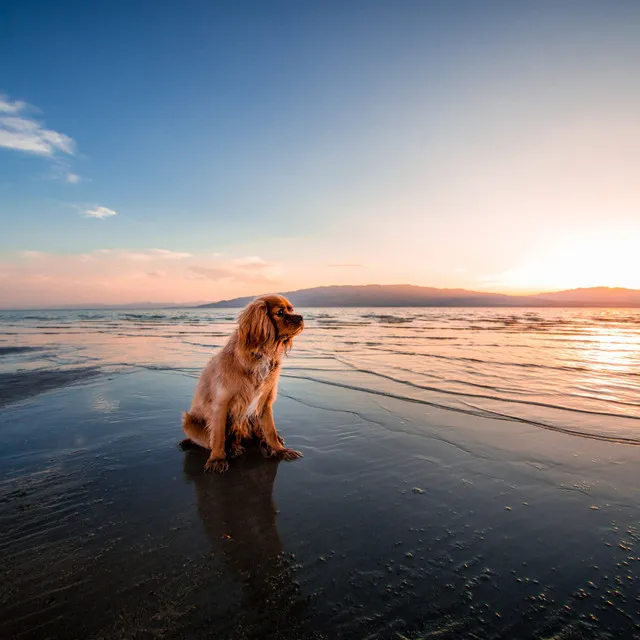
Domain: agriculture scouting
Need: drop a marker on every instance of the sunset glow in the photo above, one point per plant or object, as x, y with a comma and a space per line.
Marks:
485, 147
609, 259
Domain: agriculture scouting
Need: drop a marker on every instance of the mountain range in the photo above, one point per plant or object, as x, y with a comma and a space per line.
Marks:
404, 295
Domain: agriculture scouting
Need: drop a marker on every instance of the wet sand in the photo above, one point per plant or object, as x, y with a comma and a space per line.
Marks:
401, 521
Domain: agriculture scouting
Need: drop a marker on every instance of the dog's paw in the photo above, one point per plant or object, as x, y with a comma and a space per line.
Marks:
236, 450
288, 454
265, 449
216, 465
281, 439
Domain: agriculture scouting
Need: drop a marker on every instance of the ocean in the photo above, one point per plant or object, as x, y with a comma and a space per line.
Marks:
572, 370
467, 473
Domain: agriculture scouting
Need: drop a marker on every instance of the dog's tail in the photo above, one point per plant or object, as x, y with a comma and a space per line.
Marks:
196, 431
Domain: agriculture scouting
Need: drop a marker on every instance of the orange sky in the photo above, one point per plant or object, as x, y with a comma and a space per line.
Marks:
486, 146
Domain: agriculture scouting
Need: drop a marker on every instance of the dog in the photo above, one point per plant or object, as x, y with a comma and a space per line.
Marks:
236, 390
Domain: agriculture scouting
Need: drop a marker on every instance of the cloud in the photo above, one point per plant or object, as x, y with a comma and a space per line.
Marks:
116, 275
153, 254
21, 132
253, 263
169, 255
6, 106
99, 212
251, 270
33, 255
349, 265
146, 255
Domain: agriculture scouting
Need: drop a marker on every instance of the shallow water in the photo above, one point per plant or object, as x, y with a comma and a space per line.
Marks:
440, 495
571, 370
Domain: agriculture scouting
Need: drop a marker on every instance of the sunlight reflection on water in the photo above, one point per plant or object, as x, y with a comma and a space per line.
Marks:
575, 369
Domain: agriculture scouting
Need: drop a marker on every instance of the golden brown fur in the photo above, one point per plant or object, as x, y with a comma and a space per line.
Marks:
238, 386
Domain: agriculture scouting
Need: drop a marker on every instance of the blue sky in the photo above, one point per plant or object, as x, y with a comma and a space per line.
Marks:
244, 146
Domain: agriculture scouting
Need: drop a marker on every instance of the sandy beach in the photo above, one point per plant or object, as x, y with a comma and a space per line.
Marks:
402, 520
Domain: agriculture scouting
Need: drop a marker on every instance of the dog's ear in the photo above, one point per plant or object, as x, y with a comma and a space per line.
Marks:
255, 329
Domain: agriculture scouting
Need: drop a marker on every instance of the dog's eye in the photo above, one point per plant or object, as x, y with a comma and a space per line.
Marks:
280, 313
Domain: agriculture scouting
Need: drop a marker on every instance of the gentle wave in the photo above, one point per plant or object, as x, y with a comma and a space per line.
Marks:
552, 368
478, 412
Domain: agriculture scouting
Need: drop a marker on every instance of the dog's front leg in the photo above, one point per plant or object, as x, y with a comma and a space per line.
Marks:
216, 425
272, 438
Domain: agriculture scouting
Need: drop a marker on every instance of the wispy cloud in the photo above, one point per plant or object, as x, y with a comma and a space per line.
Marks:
99, 212
115, 275
169, 255
253, 263
250, 270
6, 106
346, 265
33, 255
20, 131
146, 255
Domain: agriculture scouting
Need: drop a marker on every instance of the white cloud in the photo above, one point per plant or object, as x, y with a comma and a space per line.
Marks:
33, 255
250, 270
21, 132
6, 106
255, 263
145, 255
99, 212
170, 255
152, 254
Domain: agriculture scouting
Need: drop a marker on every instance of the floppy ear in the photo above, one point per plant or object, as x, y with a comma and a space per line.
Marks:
255, 329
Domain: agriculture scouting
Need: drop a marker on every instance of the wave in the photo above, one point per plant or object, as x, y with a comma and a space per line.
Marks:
39, 318
5, 351
328, 322
388, 318
144, 316
490, 363
478, 412
533, 403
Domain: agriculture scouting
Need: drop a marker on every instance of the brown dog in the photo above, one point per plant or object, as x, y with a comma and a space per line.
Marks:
237, 388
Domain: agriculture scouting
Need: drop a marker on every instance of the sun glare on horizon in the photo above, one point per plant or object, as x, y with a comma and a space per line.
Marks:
602, 259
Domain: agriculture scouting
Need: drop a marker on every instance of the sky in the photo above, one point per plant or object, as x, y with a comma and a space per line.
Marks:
195, 151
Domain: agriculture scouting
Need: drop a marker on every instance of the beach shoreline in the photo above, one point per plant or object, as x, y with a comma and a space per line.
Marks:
400, 521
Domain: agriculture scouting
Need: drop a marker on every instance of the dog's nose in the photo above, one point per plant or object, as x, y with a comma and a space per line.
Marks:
298, 319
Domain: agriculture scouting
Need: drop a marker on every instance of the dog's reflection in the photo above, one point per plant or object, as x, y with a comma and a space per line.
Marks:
239, 518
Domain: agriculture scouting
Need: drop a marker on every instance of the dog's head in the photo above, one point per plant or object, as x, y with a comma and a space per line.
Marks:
267, 322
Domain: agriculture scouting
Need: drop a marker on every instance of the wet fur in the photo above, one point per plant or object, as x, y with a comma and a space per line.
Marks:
236, 390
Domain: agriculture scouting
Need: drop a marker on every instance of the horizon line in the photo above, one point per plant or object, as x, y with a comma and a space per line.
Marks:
65, 306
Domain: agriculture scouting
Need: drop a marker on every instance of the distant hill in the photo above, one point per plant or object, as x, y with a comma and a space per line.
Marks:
404, 295
595, 296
